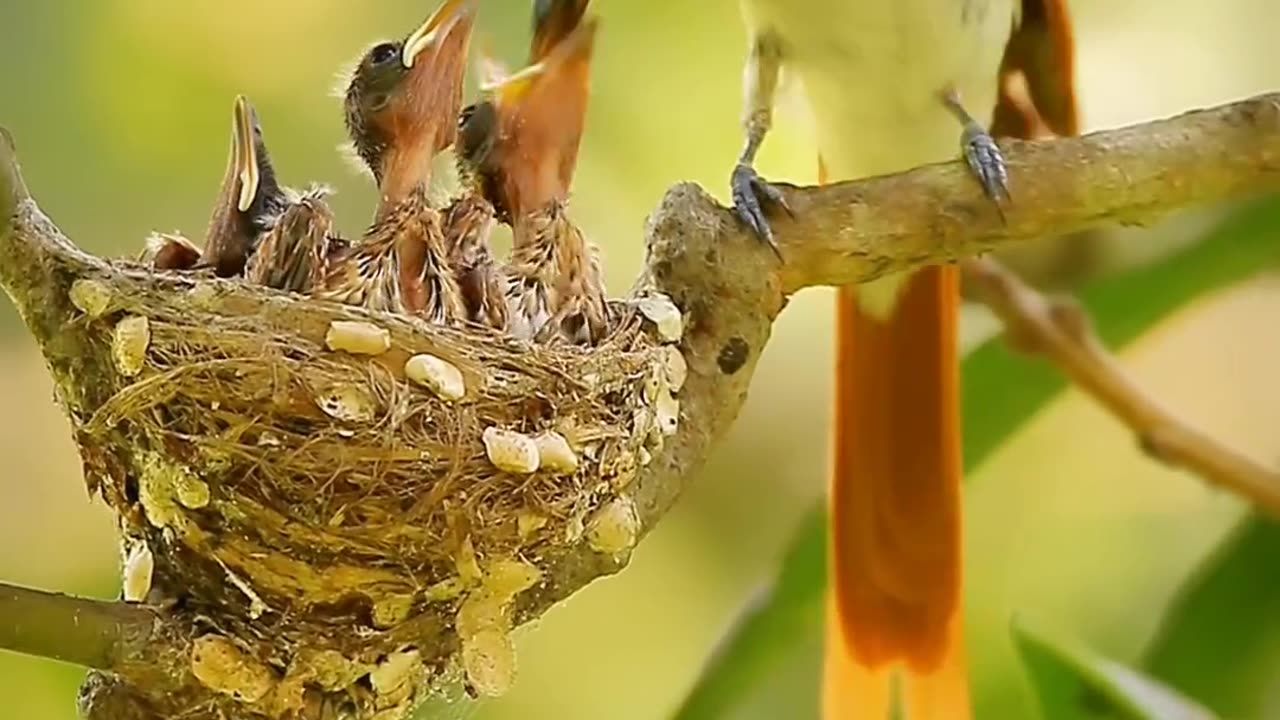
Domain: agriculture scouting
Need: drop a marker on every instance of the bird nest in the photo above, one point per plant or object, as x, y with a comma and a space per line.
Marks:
346, 468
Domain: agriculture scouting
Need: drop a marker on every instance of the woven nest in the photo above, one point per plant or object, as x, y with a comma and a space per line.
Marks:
355, 470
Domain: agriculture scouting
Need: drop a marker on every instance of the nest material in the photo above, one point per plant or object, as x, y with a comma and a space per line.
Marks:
309, 486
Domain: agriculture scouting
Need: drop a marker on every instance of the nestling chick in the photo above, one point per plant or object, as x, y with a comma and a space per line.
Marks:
249, 202
468, 224
401, 105
520, 146
294, 256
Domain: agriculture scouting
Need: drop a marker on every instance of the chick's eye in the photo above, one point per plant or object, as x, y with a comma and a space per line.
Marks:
464, 117
384, 53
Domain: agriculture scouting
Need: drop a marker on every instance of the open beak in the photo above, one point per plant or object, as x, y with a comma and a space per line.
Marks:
510, 89
437, 28
553, 20
574, 48
245, 151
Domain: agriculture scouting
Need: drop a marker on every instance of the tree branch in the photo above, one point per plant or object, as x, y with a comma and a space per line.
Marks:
86, 632
1059, 330
854, 231
139, 652
728, 286
12, 188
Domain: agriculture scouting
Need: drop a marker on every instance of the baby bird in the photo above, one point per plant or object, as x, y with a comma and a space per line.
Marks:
401, 105
295, 254
248, 203
468, 224
520, 145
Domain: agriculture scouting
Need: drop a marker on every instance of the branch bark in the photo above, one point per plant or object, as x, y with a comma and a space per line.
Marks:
854, 231
75, 630
728, 286
134, 651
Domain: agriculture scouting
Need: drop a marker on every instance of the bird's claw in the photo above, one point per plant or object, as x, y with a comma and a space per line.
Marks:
987, 163
750, 194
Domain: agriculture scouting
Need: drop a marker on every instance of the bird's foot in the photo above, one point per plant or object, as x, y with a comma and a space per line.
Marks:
981, 153
987, 163
750, 195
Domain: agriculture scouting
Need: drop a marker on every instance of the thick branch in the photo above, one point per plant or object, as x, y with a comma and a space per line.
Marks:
86, 632
854, 231
1059, 330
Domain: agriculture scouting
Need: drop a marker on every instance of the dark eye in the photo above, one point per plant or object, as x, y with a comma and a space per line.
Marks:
384, 53
465, 116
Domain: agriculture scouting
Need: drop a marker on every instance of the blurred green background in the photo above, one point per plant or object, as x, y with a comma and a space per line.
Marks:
121, 108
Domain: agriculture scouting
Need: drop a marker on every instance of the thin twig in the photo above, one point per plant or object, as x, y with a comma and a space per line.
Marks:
1060, 331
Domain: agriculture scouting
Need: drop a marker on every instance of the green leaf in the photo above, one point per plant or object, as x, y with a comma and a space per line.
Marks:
783, 614
1074, 683
1002, 391
1220, 639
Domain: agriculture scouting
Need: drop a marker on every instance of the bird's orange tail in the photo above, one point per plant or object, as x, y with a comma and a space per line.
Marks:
895, 504
896, 496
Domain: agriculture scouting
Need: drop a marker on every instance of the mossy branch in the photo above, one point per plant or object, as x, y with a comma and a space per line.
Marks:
729, 288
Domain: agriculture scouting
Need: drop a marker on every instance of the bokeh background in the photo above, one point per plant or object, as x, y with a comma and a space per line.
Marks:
121, 107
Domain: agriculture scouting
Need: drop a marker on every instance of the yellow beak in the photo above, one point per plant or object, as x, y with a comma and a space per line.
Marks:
511, 88
436, 27
245, 152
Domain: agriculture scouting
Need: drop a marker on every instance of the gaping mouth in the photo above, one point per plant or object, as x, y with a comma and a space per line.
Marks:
436, 28
576, 46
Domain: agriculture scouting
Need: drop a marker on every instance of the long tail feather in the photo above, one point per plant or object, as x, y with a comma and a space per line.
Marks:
851, 690
896, 505
896, 497
942, 692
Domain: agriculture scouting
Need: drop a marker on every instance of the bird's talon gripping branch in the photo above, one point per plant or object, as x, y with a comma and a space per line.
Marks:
750, 193
981, 152
987, 163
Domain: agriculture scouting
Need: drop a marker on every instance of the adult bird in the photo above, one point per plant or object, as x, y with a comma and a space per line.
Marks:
520, 147
891, 84
401, 107
249, 201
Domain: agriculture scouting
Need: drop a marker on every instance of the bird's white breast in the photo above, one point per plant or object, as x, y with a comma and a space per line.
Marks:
872, 71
